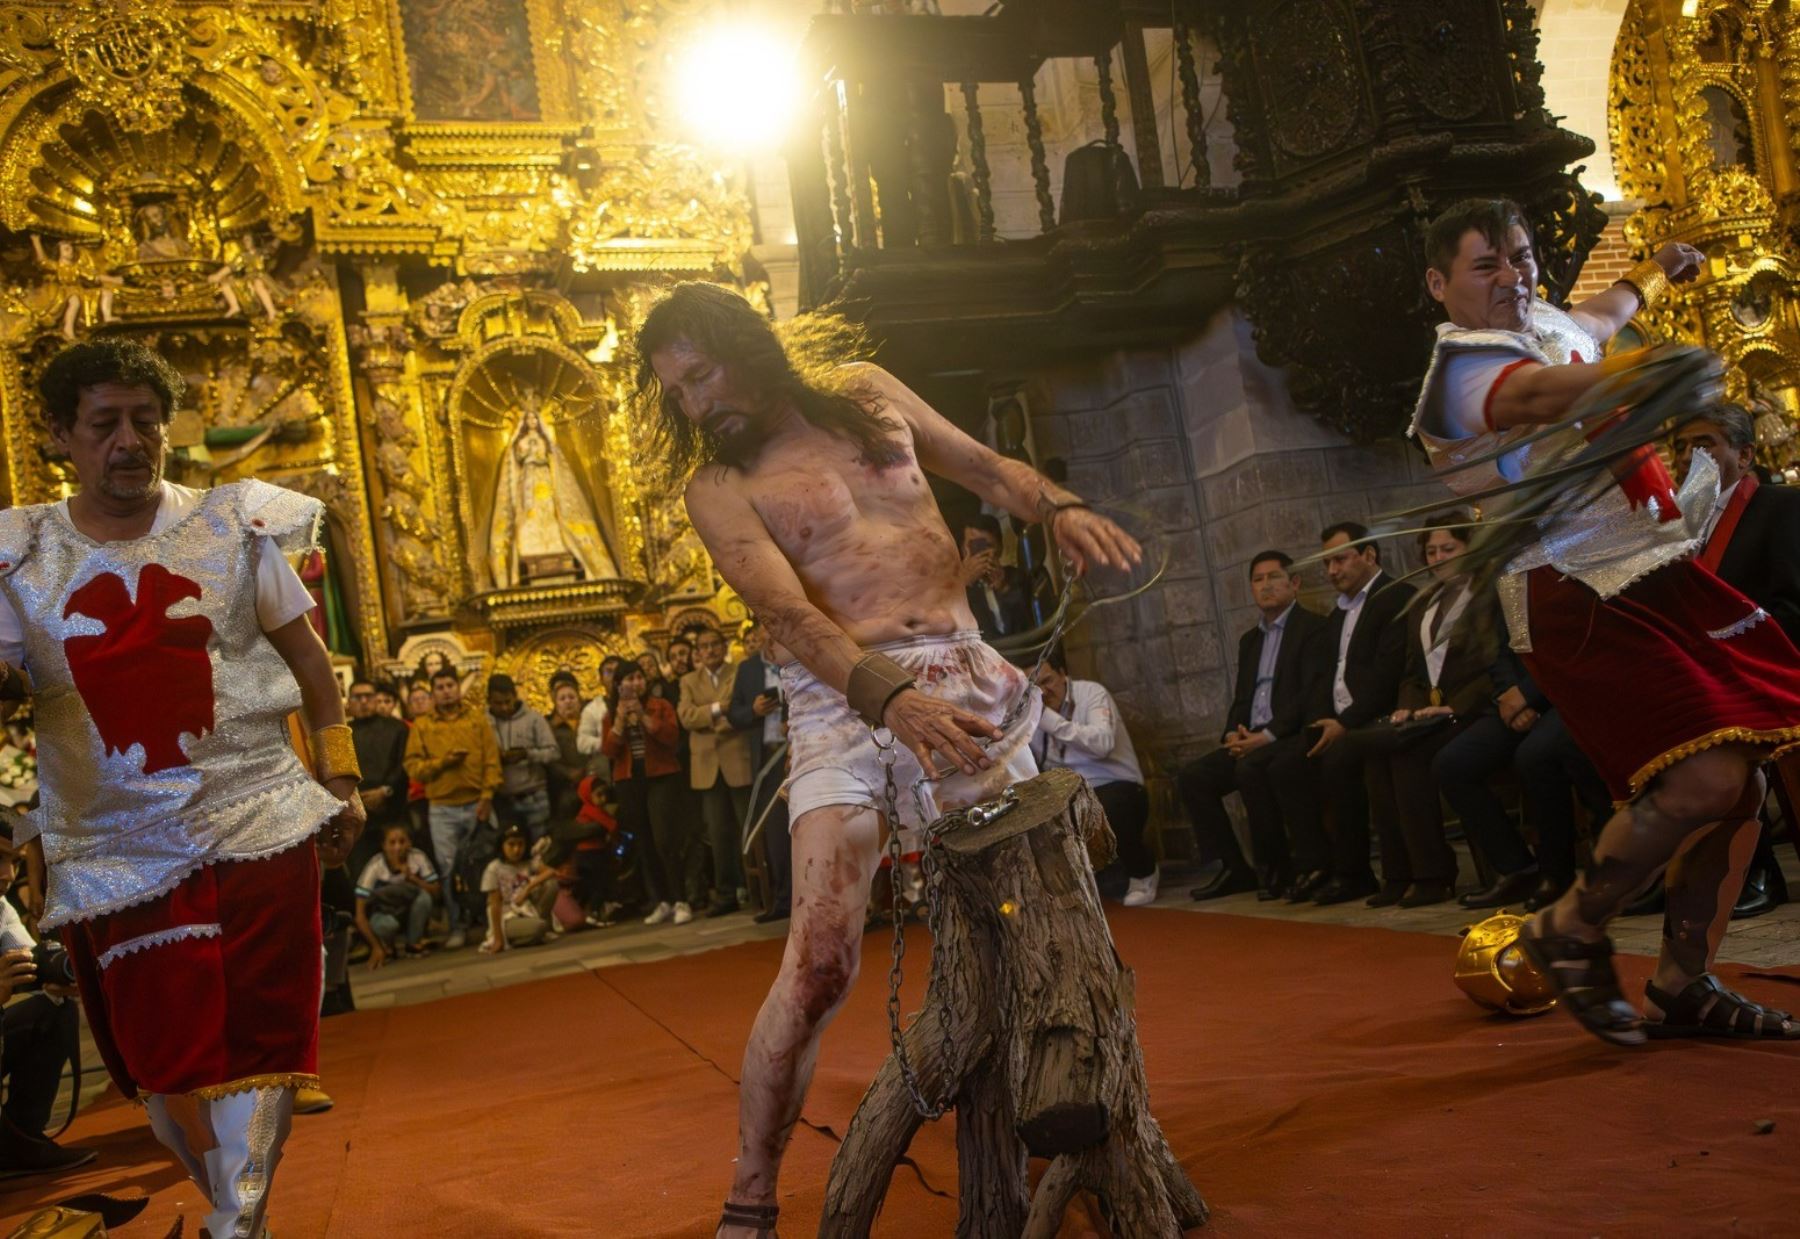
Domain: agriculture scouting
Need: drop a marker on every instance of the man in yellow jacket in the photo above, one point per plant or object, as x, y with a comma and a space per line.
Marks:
453, 753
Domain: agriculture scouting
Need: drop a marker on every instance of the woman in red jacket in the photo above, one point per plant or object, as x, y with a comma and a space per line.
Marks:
639, 735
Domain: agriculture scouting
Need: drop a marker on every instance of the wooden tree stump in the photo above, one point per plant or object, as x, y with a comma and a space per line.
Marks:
1046, 1059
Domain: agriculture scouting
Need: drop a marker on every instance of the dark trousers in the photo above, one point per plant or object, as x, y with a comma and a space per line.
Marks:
1343, 791
1276, 784
1552, 771
1405, 806
41, 1035
1127, 808
778, 845
670, 855
722, 807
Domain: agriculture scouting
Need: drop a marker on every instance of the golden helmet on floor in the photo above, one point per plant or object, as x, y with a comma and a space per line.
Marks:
1492, 970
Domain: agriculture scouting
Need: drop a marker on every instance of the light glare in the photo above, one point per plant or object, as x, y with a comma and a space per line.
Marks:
737, 88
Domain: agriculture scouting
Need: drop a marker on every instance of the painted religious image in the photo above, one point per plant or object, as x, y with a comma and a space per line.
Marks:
470, 60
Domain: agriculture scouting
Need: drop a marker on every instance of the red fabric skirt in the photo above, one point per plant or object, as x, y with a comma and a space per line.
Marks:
1675, 664
213, 987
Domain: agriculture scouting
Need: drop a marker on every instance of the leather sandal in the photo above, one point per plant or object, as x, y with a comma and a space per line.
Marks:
1707, 1009
761, 1217
1582, 975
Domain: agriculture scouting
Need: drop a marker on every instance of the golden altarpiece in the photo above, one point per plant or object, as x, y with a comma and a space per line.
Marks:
394, 245
1704, 116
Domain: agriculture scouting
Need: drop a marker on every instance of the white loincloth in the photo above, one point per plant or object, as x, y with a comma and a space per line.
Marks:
835, 759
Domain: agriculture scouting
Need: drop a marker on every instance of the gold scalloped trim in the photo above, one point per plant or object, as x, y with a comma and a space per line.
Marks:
282, 1079
1783, 740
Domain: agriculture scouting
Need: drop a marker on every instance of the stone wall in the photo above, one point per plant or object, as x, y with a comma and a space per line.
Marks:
1203, 442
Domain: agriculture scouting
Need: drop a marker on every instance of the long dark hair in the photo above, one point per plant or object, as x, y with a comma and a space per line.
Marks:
721, 324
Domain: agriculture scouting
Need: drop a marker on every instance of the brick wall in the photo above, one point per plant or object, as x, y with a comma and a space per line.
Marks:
1610, 258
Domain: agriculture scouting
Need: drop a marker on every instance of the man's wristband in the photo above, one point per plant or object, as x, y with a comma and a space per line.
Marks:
1650, 281
334, 754
875, 680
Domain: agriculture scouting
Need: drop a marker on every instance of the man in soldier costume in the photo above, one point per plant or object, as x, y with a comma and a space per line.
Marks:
1676, 685
163, 639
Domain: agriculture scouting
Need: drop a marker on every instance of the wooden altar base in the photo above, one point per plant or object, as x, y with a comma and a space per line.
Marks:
1314, 1079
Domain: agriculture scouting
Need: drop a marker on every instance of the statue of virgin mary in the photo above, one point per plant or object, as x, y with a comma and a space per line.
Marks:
543, 525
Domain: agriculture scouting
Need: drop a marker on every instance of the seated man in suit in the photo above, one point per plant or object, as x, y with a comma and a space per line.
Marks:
1277, 660
1365, 641
1753, 545
999, 595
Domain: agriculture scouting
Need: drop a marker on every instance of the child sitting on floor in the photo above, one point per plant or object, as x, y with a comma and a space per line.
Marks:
513, 895
394, 897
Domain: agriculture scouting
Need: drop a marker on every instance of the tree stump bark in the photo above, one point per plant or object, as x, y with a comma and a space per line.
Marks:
1043, 1038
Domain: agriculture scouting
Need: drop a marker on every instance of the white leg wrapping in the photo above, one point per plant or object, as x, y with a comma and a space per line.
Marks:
175, 1139
250, 1128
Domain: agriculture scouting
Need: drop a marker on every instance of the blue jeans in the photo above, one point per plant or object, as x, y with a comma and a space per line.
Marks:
532, 811
451, 826
387, 925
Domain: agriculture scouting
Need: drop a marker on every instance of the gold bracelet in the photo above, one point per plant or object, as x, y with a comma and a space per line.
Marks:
334, 754
1650, 281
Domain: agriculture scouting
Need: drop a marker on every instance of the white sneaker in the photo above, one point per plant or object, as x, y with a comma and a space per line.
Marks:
662, 913
456, 941
683, 914
1141, 891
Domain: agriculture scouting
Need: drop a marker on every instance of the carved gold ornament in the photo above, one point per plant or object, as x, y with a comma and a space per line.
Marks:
127, 59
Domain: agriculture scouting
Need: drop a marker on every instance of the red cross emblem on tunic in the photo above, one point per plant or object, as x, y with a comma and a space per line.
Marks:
146, 679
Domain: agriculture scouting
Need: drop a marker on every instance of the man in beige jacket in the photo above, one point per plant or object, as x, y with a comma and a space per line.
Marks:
718, 764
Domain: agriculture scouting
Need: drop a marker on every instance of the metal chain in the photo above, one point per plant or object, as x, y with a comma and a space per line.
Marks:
930, 865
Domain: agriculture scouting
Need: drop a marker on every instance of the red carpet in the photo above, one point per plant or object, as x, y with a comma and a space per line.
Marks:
1313, 1080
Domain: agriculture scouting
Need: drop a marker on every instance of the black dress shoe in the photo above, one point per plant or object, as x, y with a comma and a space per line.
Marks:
1505, 889
1548, 891
778, 913
1306, 886
1342, 890
1650, 903
1386, 897
1424, 894
1223, 883
27, 1153
1764, 891
723, 909
1269, 894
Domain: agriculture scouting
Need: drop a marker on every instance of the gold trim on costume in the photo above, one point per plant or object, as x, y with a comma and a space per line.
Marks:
334, 753
1650, 280
280, 1079
1783, 740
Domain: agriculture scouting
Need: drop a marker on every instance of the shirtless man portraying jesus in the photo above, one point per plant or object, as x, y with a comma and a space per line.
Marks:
811, 496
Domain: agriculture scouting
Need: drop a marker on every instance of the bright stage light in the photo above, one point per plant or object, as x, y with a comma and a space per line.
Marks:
738, 89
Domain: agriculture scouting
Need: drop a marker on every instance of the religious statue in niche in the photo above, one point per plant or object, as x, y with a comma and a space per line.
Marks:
161, 231
470, 60
73, 282
248, 270
543, 527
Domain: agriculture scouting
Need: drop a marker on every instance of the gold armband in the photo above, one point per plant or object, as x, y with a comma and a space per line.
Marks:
1650, 281
875, 680
334, 754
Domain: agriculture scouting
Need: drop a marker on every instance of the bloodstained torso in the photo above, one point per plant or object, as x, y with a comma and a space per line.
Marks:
866, 540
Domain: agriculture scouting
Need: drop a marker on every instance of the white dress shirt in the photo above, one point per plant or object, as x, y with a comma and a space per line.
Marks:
1341, 697
1087, 736
1712, 521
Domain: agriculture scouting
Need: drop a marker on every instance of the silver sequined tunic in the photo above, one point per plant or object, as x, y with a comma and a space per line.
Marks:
121, 826
1606, 544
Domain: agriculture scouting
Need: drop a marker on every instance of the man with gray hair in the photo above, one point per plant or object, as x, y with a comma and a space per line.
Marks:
1752, 542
